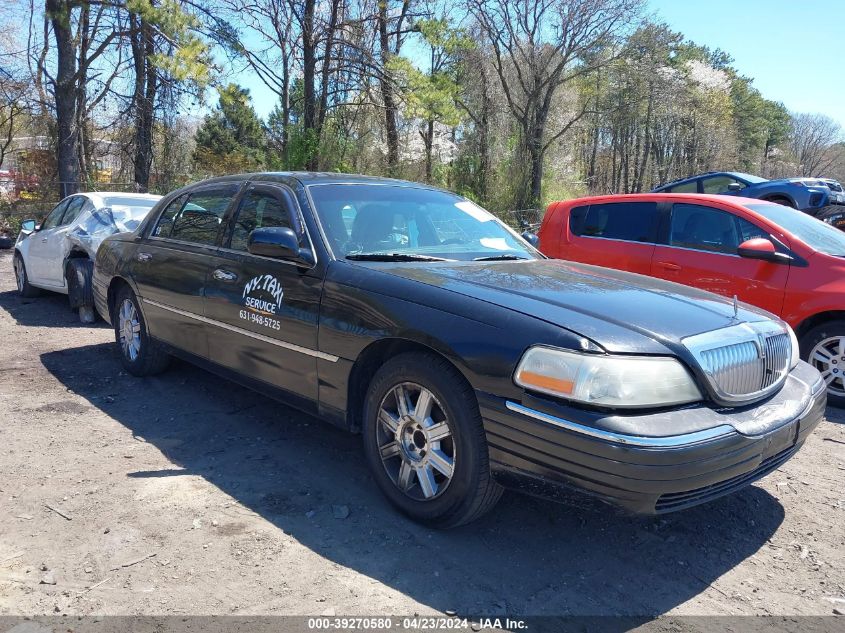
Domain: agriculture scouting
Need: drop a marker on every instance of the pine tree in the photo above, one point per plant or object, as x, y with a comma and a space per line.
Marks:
231, 138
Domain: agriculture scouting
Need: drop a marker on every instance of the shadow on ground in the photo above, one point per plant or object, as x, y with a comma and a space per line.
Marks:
528, 557
50, 309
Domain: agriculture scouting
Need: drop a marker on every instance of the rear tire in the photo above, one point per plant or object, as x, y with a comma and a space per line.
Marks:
824, 348
429, 456
22, 279
140, 354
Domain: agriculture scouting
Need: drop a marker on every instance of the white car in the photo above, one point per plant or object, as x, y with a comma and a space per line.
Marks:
58, 254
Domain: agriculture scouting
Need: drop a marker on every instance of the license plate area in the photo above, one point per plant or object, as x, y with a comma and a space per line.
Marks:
780, 440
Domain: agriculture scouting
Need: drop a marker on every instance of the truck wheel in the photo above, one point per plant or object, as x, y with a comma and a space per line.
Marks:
24, 288
824, 348
139, 354
425, 443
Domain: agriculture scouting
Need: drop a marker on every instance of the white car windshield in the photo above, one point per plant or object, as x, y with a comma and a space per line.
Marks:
371, 220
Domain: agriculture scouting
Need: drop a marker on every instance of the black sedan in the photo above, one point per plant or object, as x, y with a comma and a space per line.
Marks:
466, 359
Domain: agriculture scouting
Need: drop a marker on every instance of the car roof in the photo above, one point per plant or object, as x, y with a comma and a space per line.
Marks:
314, 177
735, 174
100, 195
663, 197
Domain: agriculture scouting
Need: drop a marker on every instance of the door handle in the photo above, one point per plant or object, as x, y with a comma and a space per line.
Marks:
224, 275
144, 257
43, 240
669, 265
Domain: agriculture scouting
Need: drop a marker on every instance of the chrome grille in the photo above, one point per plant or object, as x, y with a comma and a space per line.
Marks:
744, 362
778, 353
734, 367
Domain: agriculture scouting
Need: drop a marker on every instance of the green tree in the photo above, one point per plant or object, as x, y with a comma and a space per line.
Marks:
231, 138
432, 97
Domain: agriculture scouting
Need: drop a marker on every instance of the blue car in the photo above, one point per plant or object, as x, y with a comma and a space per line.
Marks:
806, 194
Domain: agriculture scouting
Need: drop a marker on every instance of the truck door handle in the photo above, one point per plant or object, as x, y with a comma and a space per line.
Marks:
144, 257
669, 265
224, 275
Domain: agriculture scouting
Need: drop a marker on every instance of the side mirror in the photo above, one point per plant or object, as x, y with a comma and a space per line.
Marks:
531, 238
734, 186
279, 243
761, 248
28, 226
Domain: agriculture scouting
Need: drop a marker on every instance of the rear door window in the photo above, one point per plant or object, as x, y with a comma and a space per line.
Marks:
164, 226
55, 216
628, 221
199, 219
74, 208
686, 187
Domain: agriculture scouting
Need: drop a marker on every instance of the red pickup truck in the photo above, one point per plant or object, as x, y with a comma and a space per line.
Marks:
765, 254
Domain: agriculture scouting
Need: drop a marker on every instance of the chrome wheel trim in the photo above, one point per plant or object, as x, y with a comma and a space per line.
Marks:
20, 274
828, 356
415, 441
129, 330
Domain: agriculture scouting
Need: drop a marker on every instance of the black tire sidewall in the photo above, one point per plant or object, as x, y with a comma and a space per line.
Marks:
80, 294
813, 337
463, 420
28, 290
136, 367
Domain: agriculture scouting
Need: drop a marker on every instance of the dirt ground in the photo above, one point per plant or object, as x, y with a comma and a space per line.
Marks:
186, 494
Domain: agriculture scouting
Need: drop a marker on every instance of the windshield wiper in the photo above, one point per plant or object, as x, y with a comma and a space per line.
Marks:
497, 258
393, 257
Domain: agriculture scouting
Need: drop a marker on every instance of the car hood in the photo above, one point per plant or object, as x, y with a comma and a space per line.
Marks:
622, 312
780, 182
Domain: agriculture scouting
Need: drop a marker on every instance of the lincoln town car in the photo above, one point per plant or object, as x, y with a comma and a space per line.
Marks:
467, 360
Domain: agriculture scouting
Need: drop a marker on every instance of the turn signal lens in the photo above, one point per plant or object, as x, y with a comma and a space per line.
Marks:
796, 351
605, 380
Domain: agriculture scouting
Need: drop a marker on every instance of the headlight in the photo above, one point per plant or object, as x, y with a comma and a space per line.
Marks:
610, 381
796, 351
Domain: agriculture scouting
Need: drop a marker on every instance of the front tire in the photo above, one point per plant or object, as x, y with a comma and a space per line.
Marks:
781, 200
139, 353
425, 443
824, 348
25, 289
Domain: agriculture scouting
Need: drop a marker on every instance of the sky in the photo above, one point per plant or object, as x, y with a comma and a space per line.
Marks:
793, 50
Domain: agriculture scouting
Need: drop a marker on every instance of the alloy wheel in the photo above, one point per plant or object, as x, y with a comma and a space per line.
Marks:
828, 356
415, 441
129, 328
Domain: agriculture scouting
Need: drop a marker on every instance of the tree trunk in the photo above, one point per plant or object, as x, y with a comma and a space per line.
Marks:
65, 95
309, 67
390, 106
537, 152
484, 141
146, 86
428, 142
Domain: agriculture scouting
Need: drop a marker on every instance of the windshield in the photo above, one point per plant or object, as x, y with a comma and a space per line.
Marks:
750, 178
814, 233
363, 219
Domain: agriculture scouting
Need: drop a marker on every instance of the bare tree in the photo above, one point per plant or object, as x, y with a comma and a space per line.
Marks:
82, 32
813, 135
13, 108
540, 46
